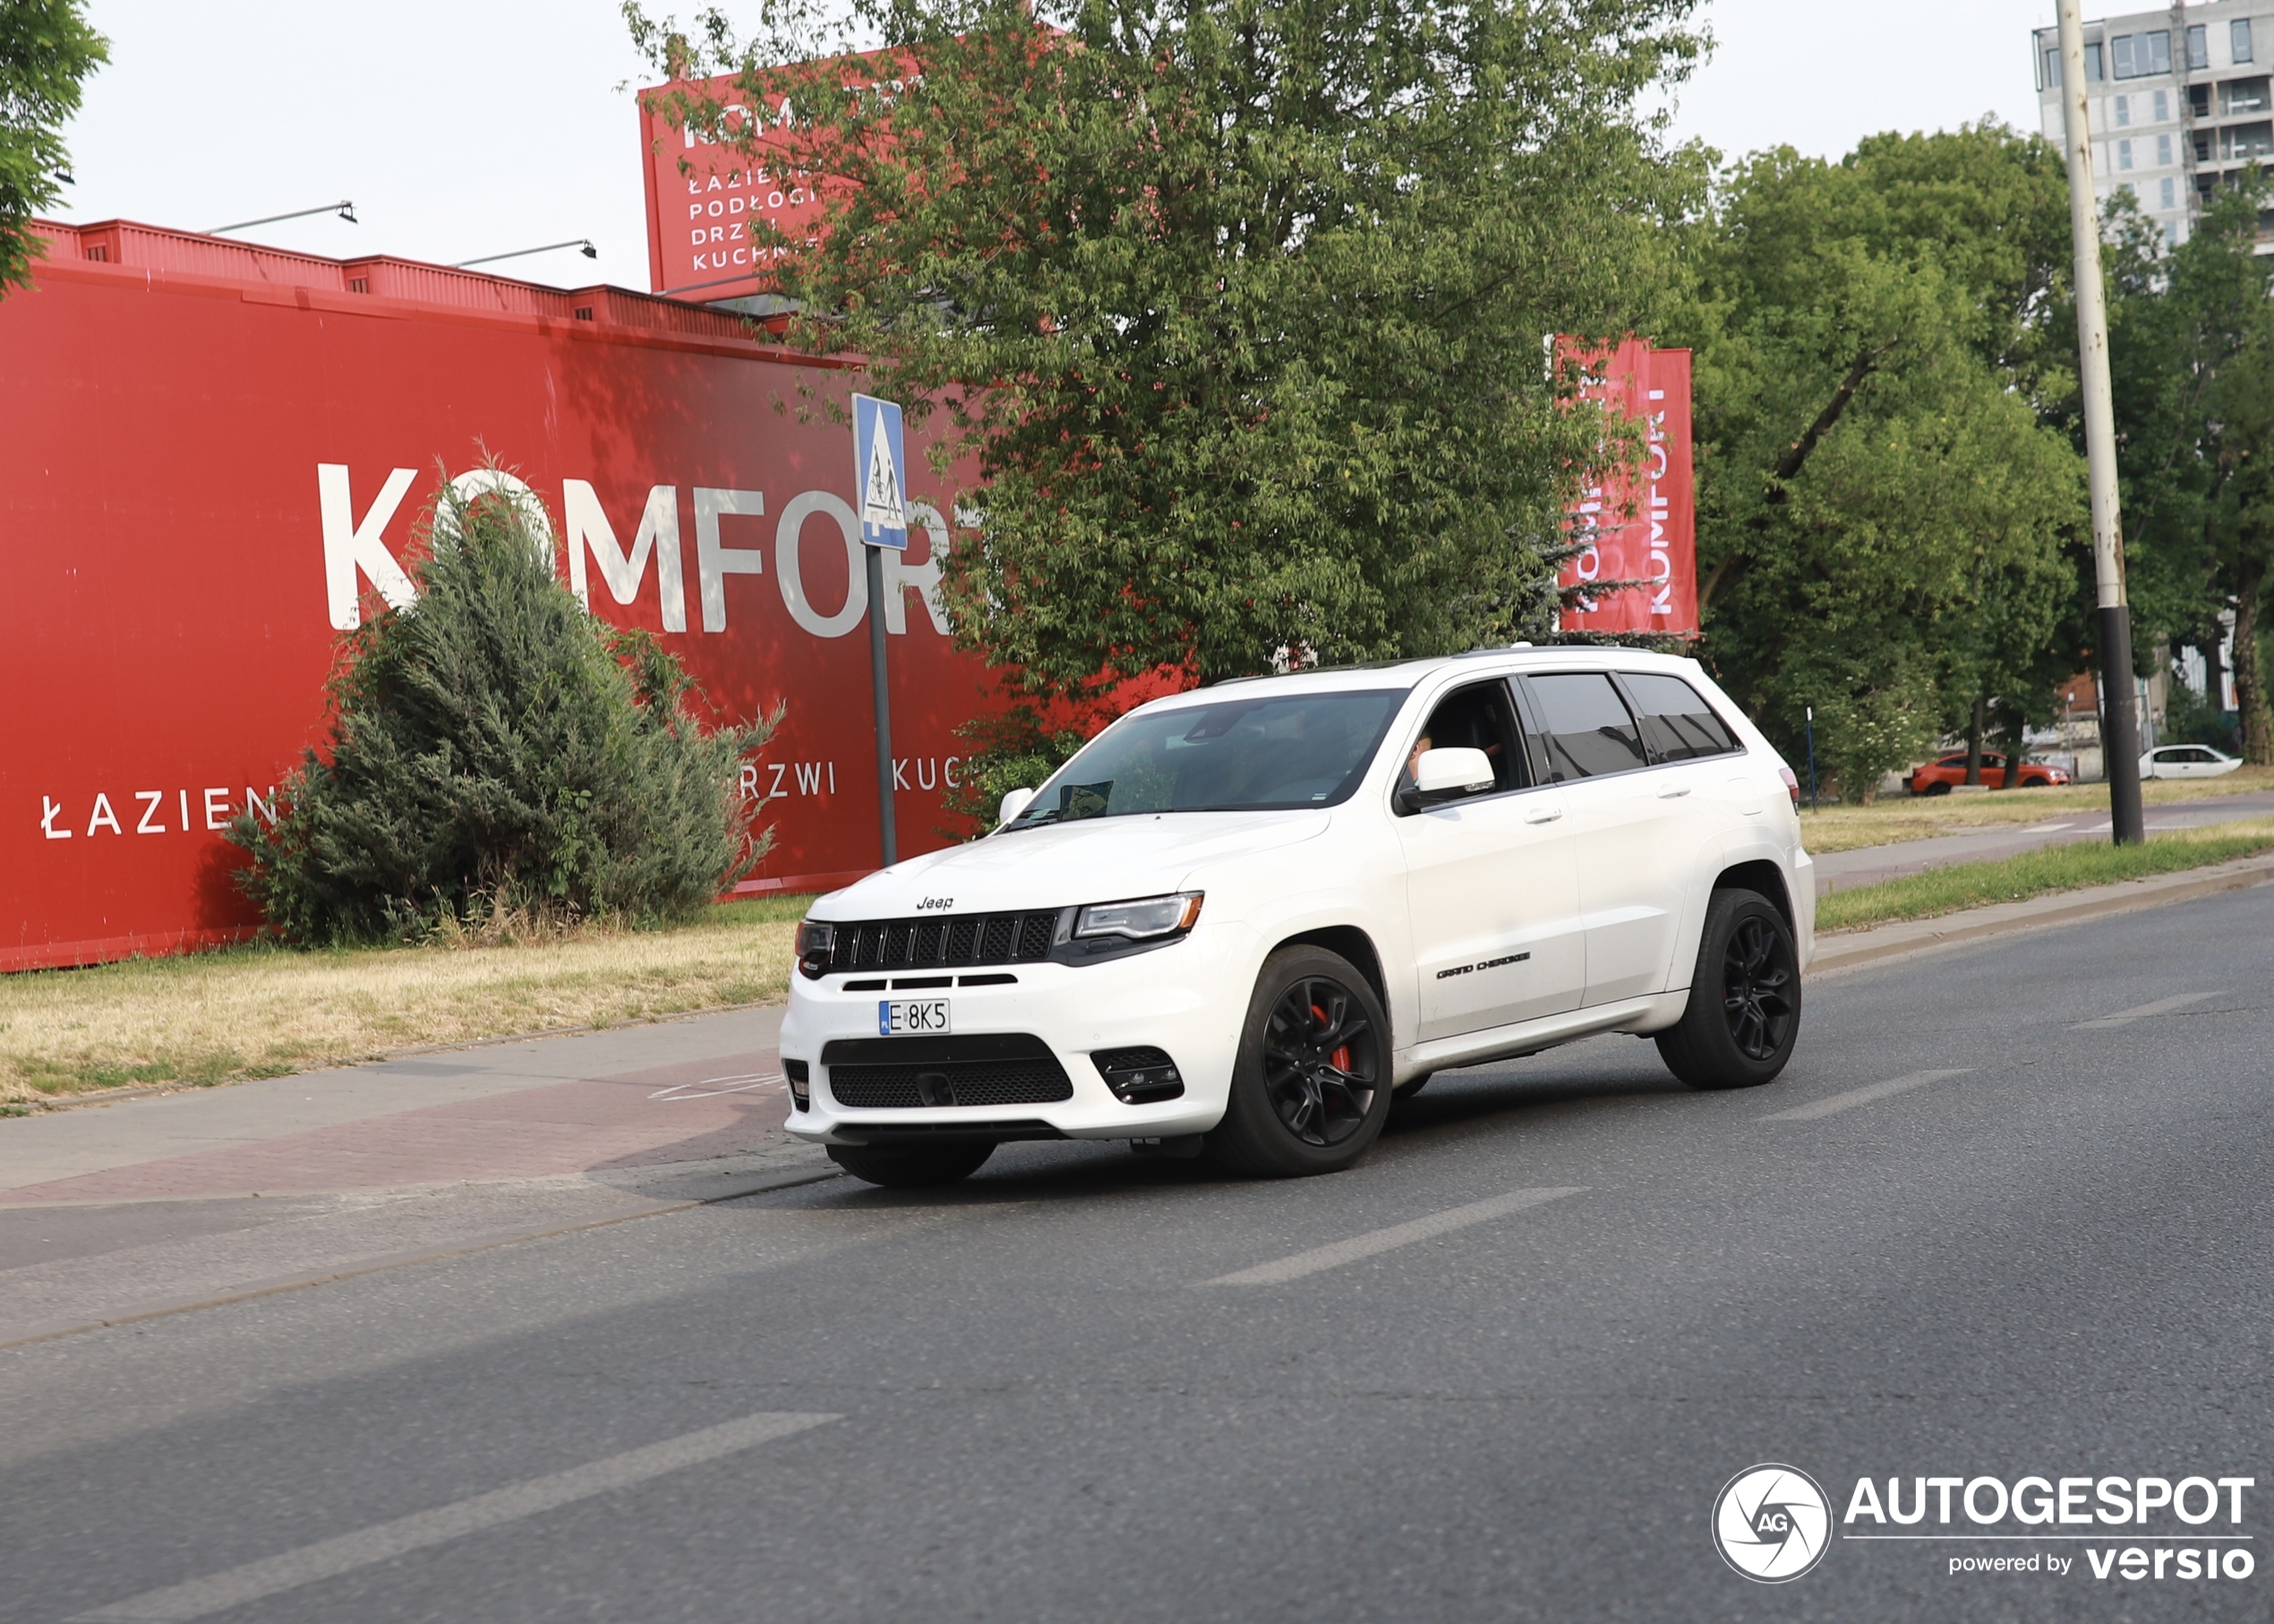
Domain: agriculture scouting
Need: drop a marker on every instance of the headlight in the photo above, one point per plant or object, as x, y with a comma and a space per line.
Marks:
1149, 917
816, 940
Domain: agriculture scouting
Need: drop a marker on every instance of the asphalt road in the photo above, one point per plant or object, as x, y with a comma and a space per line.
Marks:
1498, 1371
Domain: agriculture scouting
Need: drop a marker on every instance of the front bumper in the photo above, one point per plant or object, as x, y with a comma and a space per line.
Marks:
1188, 998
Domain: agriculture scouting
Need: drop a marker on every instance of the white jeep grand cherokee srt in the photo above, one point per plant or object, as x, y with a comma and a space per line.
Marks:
1256, 911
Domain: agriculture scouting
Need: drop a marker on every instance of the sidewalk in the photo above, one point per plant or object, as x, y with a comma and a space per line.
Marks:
116, 1210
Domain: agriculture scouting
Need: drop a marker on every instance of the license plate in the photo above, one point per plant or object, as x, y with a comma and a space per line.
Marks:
903, 1017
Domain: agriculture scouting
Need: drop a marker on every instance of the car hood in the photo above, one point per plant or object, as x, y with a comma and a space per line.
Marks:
1100, 859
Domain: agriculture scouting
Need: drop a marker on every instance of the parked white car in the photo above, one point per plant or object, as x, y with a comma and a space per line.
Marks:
1255, 912
2186, 761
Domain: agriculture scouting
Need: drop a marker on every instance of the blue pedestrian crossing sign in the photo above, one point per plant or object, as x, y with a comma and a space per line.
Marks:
880, 465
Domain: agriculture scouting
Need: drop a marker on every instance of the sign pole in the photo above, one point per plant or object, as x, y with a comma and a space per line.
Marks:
875, 561
880, 463
2120, 727
1812, 805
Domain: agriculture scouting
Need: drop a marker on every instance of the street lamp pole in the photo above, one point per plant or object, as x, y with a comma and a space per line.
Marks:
2120, 729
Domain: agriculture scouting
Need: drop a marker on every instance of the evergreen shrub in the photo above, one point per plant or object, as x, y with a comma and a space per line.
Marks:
499, 757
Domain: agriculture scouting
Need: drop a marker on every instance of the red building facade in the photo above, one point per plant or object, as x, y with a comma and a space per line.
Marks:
213, 457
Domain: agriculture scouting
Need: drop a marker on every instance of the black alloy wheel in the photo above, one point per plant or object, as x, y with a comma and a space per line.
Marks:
1310, 1086
1320, 1062
1744, 1012
1757, 980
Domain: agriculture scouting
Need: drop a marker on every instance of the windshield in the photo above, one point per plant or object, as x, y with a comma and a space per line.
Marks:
1241, 755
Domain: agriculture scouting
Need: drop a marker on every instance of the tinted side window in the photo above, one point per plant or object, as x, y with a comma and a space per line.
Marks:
1677, 725
1478, 717
1584, 725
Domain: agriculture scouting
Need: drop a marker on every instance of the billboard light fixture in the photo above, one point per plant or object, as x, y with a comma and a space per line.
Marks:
344, 208
583, 244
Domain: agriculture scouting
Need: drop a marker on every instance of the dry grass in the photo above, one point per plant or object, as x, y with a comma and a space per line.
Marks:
259, 1011
1905, 817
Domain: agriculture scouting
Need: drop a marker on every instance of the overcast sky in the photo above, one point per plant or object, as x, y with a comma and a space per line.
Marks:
466, 127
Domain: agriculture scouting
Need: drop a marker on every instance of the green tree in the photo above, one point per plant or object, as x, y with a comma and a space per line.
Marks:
2239, 406
1233, 309
2190, 344
1889, 526
497, 751
47, 50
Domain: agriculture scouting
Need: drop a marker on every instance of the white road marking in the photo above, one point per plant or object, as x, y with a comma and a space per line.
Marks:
1865, 1096
742, 1082
2046, 828
2161, 1006
1389, 1240
329, 1559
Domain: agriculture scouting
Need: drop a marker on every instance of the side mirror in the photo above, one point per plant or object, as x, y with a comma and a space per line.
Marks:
1452, 768
1445, 774
1014, 803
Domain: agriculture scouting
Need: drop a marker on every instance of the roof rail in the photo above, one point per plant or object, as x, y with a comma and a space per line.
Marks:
1324, 671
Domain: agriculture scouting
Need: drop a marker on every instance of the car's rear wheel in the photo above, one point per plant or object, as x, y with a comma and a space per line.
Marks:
1744, 1012
1311, 1085
914, 1166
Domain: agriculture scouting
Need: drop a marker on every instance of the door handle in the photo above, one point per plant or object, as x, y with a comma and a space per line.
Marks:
1542, 815
1673, 792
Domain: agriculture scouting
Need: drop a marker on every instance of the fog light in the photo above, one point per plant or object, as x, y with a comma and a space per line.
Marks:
1138, 1077
800, 1076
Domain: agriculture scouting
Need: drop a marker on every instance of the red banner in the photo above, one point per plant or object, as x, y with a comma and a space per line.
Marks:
1640, 526
203, 471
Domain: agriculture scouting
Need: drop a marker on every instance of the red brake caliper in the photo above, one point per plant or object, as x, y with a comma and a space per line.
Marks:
1340, 1058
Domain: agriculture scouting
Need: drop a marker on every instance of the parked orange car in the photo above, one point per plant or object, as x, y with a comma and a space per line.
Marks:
1939, 776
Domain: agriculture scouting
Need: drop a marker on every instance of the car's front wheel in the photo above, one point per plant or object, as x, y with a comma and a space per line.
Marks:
1744, 1011
914, 1166
1311, 1085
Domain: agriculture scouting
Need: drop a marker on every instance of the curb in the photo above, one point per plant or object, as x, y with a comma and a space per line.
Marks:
1848, 950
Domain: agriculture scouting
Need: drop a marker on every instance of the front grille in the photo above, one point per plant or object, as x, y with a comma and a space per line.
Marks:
912, 1074
994, 938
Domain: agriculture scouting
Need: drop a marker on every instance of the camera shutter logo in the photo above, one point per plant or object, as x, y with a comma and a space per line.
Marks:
1772, 1523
